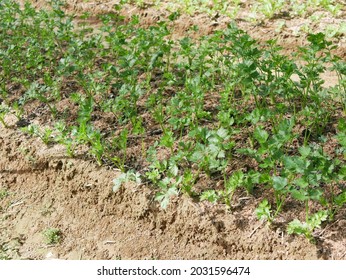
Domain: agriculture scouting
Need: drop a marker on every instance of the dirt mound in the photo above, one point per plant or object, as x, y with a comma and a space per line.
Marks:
42, 189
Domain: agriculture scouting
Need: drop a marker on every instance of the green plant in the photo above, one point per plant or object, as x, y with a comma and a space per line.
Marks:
264, 212
236, 180
4, 110
210, 195
119, 143
341, 137
310, 79
188, 180
307, 228
210, 151
123, 178
52, 236
269, 7
168, 189
3, 193
45, 135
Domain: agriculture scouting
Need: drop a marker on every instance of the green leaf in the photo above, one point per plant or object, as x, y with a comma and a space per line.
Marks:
117, 183
173, 16
304, 151
254, 117
342, 139
153, 175
197, 156
296, 164
342, 173
279, 183
315, 194
222, 133
214, 150
342, 125
214, 164
250, 152
126, 177
299, 195
236, 180
301, 182
164, 197
173, 169
263, 211
316, 219
209, 195
154, 58
261, 135
167, 139
297, 227
340, 199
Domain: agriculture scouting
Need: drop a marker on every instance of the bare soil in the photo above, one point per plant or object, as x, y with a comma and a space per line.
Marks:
42, 188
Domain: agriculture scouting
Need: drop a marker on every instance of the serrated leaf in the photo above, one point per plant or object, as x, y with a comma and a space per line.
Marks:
197, 156
118, 182
264, 178
342, 139
279, 183
286, 126
304, 151
221, 154
261, 135
342, 125
164, 197
164, 182
297, 227
342, 173
173, 169
214, 164
296, 164
126, 177
222, 133
340, 199
214, 150
299, 195
317, 218
167, 139
315, 194
254, 117
263, 211
235, 181
289, 163
135, 177
301, 182
209, 195
250, 152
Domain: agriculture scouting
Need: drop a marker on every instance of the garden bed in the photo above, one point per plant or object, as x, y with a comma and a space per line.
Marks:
174, 134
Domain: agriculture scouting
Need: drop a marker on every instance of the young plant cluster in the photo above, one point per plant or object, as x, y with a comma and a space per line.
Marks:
259, 10
213, 118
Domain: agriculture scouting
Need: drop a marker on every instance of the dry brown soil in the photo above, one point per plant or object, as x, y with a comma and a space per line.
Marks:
41, 188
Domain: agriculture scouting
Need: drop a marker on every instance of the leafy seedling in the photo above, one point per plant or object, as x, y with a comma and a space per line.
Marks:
168, 189
52, 236
236, 180
123, 178
210, 195
307, 228
4, 110
264, 212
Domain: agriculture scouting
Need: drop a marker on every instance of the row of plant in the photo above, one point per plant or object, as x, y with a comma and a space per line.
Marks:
311, 13
257, 10
212, 118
